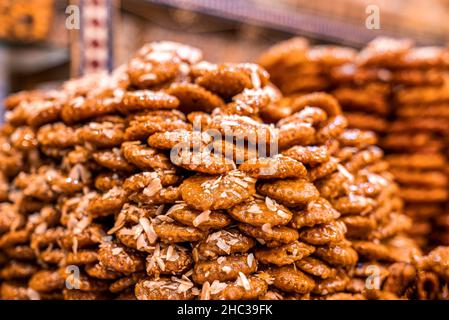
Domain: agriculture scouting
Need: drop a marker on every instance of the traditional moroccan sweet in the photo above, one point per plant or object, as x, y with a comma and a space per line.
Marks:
173, 178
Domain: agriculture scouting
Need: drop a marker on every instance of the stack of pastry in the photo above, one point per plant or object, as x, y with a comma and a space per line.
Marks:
164, 180
363, 92
371, 64
398, 91
297, 67
415, 138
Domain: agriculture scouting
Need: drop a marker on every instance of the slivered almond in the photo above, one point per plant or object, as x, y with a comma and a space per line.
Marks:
184, 287
254, 209
138, 229
159, 210
267, 228
141, 243
149, 230
221, 260
175, 208
81, 225
119, 223
33, 294
160, 263
250, 260
205, 291
271, 204
169, 253
283, 214
217, 287
201, 218
244, 281
226, 269
241, 183
116, 251
75, 245
345, 172
223, 246
153, 187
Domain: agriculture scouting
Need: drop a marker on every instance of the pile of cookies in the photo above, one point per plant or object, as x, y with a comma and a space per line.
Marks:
416, 136
297, 67
387, 210
175, 178
400, 92
362, 90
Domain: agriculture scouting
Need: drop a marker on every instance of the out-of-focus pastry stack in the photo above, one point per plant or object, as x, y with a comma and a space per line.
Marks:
363, 91
374, 66
398, 91
300, 68
415, 139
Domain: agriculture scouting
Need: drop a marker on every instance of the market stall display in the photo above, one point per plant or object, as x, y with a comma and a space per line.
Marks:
175, 178
396, 89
